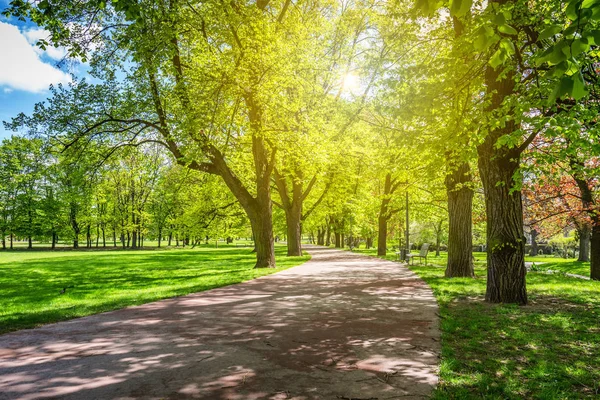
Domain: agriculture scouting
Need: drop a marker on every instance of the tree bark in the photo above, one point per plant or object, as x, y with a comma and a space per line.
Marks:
382, 234
506, 282
584, 231
460, 237
595, 251
589, 205
534, 244
292, 206
74, 224
384, 216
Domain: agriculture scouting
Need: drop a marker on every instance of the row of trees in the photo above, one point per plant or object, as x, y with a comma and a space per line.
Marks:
343, 106
139, 194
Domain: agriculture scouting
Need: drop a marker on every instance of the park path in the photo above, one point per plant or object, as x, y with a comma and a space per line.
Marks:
341, 326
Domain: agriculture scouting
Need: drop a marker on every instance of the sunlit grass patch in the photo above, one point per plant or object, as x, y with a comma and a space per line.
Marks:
549, 349
98, 281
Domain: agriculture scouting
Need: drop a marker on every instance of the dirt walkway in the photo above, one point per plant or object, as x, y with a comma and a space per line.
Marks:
341, 326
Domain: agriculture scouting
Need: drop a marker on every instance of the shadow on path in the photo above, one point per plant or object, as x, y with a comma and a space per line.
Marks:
340, 326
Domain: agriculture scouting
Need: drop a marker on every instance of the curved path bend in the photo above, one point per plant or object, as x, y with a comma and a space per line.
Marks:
341, 326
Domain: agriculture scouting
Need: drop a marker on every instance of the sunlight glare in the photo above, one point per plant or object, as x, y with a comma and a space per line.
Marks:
351, 83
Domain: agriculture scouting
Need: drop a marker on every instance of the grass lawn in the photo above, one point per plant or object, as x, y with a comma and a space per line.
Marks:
31, 281
549, 349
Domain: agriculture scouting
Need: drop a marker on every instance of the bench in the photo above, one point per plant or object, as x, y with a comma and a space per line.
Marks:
422, 254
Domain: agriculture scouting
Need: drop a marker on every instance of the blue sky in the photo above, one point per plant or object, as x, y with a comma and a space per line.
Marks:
25, 70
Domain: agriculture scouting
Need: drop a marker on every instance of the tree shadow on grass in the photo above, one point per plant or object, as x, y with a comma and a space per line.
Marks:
549, 349
355, 330
30, 291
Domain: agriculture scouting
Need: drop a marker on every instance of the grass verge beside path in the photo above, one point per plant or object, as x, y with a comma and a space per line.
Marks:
549, 349
30, 282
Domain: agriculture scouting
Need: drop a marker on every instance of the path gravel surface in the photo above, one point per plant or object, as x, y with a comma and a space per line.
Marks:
341, 326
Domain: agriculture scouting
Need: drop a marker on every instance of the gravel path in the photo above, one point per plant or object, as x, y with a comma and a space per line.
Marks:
341, 326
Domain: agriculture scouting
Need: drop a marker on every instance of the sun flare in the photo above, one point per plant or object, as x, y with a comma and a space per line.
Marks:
350, 83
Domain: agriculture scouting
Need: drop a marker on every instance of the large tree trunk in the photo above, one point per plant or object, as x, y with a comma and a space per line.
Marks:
460, 237
595, 251
506, 282
264, 243
505, 238
584, 231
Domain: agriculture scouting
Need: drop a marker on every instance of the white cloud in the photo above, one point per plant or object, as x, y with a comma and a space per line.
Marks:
35, 34
7, 90
21, 67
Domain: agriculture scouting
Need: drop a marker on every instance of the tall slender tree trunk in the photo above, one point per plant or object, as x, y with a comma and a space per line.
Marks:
460, 205
88, 237
584, 231
294, 232
506, 282
382, 235
534, 244
589, 205
383, 217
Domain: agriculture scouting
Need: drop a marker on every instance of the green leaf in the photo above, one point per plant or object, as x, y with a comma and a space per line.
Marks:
498, 58
459, 8
484, 38
549, 32
563, 87
578, 47
507, 30
499, 19
558, 71
554, 54
589, 3
572, 9
594, 36
508, 46
579, 90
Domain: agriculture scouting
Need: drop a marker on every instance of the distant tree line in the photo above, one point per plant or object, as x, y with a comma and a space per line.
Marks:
136, 195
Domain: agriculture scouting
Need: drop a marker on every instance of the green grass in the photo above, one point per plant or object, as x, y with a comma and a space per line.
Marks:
567, 265
549, 349
31, 281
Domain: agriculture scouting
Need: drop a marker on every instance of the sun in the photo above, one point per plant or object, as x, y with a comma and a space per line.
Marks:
351, 83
